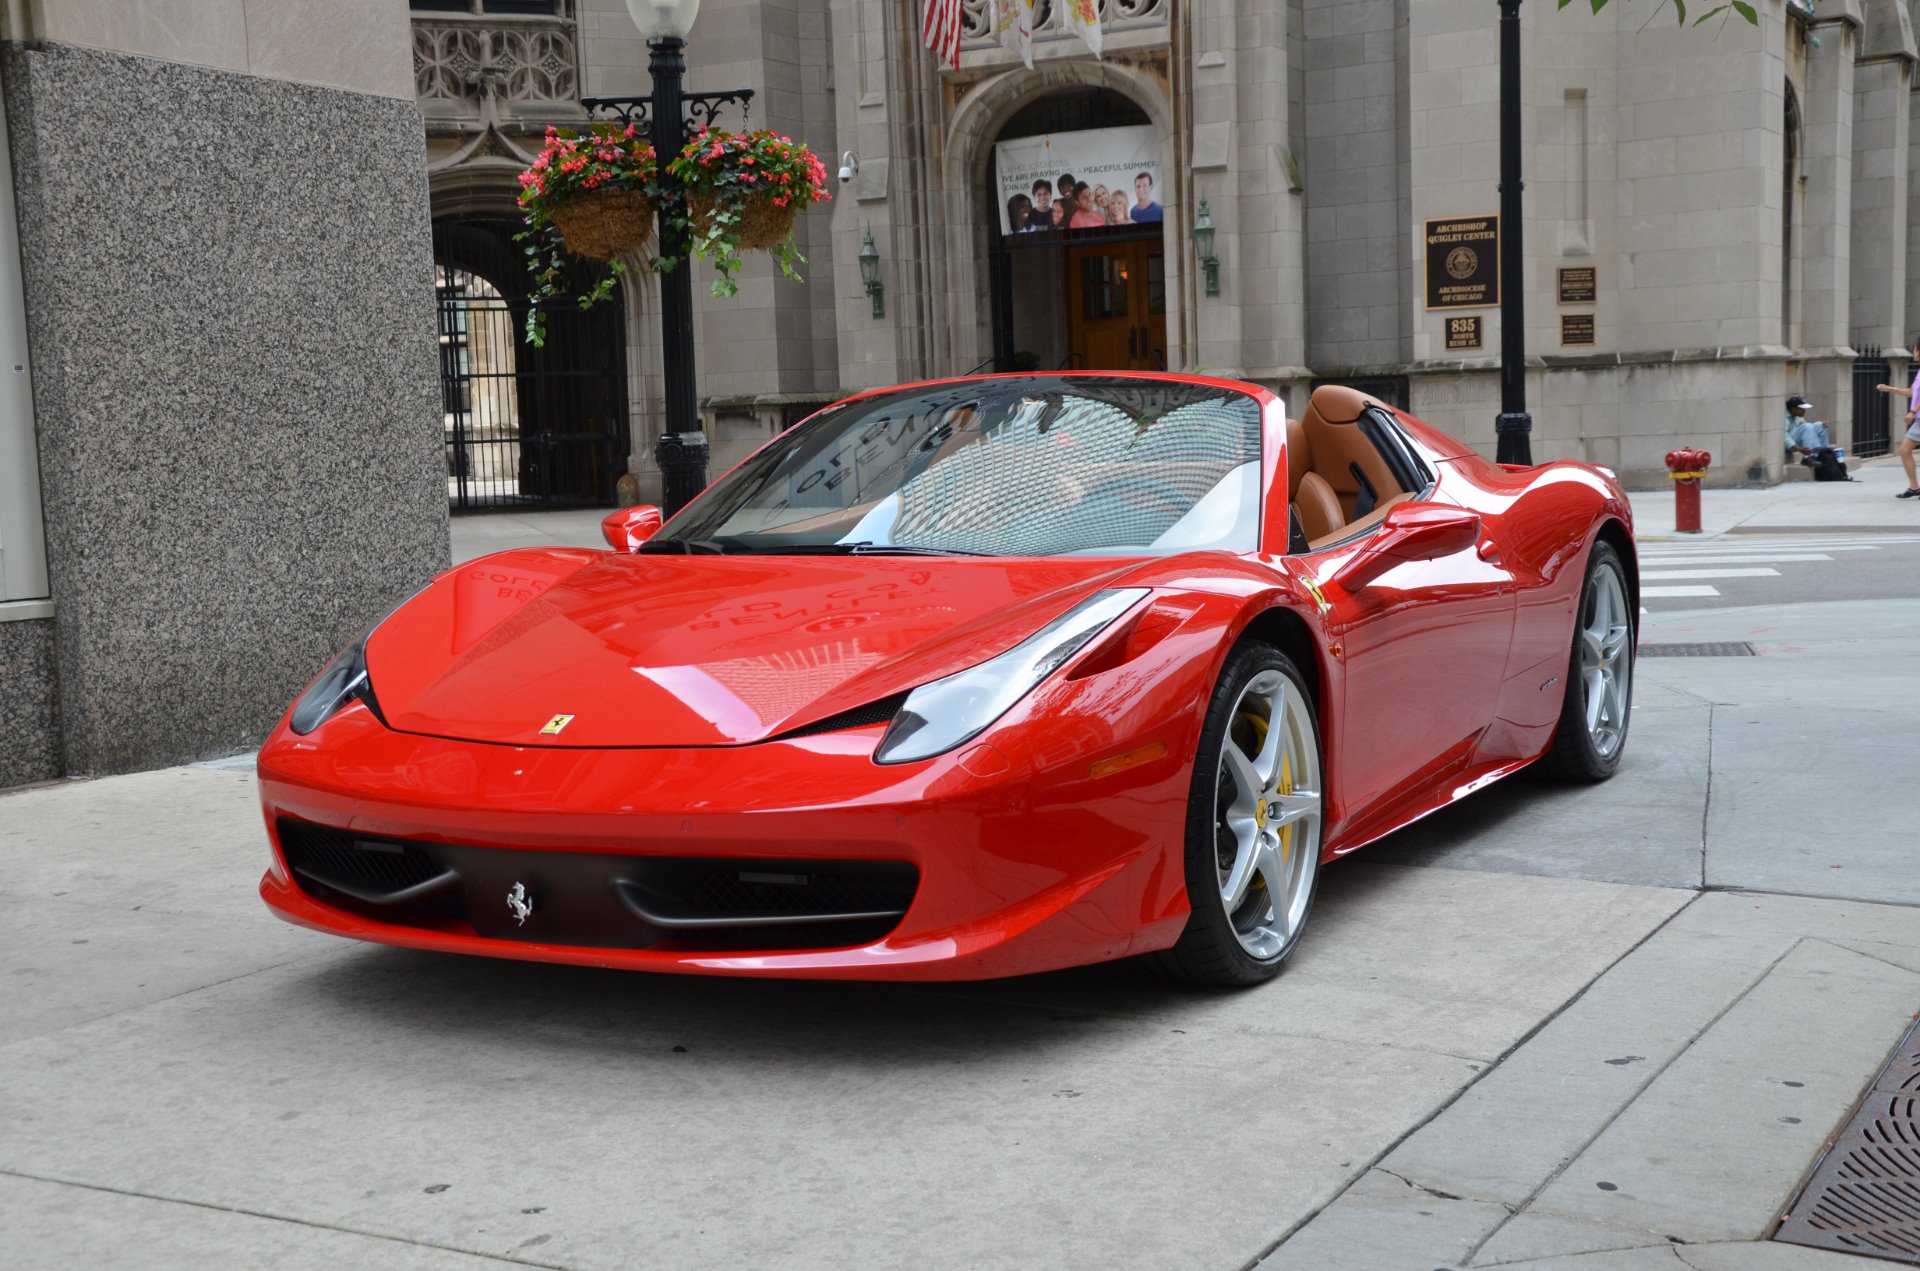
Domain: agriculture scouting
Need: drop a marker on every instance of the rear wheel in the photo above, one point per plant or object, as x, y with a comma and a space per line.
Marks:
1254, 816
1599, 691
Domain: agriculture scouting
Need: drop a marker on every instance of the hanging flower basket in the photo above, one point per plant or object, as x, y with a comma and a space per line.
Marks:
759, 223
596, 194
744, 192
606, 224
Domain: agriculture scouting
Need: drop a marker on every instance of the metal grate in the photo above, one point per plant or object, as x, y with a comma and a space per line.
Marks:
1864, 1197
332, 856
1709, 649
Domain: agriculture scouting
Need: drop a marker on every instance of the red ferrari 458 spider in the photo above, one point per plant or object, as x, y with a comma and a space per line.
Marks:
962, 679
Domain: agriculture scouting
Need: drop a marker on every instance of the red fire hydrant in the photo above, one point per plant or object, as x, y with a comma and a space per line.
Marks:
1687, 467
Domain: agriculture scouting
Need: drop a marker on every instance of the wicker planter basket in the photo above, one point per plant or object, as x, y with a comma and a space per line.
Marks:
761, 224
606, 223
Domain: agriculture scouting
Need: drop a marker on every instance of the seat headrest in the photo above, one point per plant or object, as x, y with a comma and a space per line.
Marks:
1338, 404
1299, 456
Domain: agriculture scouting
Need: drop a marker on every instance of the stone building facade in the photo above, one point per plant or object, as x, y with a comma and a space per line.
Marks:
218, 457
1733, 203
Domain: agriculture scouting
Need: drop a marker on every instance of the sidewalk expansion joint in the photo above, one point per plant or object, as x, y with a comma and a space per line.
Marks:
504, 1259
1652, 1075
1253, 1263
1706, 801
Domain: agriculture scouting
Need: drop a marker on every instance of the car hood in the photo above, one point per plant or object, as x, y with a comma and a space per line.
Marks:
655, 650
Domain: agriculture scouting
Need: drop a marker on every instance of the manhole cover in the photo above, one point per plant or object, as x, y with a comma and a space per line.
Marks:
1723, 649
1864, 1196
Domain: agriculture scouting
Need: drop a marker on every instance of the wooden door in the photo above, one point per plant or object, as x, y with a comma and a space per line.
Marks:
1117, 306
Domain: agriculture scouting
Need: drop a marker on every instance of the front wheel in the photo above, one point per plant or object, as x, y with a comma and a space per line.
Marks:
1599, 693
1254, 817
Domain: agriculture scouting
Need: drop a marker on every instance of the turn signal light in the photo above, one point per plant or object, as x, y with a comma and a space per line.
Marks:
1132, 759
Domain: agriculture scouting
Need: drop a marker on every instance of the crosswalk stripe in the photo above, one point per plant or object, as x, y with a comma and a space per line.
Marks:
1776, 559
1675, 575
1758, 547
1651, 592
1757, 541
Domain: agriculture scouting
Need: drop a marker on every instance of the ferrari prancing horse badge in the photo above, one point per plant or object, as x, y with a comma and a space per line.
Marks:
520, 903
555, 724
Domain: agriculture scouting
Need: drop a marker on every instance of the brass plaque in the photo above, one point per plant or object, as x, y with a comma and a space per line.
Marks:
1577, 286
1576, 328
1463, 263
1463, 333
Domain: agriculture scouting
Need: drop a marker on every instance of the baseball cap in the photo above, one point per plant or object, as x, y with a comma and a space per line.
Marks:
1796, 402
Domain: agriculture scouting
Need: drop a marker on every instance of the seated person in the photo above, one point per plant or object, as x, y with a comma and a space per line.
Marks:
1809, 439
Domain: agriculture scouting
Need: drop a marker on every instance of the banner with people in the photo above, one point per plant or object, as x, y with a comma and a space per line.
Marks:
1067, 181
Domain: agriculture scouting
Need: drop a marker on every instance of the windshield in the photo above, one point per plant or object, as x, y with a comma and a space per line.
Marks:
1034, 466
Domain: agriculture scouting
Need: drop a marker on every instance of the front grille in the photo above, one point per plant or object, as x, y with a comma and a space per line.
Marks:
603, 901
366, 869
781, 888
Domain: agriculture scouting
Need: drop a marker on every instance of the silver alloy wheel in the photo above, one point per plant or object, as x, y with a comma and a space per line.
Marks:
1268, 814
1606, 660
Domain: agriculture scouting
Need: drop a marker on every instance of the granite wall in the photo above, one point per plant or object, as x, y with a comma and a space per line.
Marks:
230, 305
29, 721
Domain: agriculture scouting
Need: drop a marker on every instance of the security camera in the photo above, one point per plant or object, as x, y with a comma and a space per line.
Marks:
849, 164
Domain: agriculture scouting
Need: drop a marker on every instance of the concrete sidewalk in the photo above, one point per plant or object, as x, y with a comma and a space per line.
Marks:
1866, 504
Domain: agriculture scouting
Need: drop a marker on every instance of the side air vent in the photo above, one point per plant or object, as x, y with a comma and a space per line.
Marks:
867, 716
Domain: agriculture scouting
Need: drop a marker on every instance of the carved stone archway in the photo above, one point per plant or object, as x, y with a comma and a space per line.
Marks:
966, 167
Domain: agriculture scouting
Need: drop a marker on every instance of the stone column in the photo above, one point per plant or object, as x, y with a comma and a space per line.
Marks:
1825, 301
236, 380
1359, 274
1882, 138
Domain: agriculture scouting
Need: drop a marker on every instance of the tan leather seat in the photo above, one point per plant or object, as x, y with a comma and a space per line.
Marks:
1339, 448
1314, 500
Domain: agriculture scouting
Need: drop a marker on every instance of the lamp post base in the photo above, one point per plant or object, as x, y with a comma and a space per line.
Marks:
1512, 440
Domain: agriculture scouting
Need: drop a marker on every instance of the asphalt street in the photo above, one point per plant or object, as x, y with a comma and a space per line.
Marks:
1598, 1028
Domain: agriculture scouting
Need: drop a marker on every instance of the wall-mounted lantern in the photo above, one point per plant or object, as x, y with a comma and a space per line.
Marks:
1203, 248
870, 275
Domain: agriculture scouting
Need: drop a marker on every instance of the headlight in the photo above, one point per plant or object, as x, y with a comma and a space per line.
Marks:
937, 717
344, 680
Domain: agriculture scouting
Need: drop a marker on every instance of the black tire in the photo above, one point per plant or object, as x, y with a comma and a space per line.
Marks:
1210, 951
1576, 755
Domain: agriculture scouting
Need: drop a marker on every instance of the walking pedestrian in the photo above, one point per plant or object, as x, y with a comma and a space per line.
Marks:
1912, 439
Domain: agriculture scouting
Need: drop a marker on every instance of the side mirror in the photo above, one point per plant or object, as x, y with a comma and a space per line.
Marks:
627, 528
1410, 532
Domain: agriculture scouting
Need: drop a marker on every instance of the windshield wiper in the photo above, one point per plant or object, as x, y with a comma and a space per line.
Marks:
905, 549
685, 546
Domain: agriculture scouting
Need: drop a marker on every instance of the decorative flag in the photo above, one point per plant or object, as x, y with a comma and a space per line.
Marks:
1014, 18
1083, 17
941, 30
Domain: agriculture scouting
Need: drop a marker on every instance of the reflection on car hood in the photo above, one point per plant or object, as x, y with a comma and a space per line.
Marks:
697, 650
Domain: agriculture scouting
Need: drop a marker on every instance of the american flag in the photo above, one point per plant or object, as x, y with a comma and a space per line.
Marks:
941, 31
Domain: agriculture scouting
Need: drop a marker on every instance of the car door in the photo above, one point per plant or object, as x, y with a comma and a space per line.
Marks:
1424, 643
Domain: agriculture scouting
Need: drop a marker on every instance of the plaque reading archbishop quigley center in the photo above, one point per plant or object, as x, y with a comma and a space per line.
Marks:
1463, 263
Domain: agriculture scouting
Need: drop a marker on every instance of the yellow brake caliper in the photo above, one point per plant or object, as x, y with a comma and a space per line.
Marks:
1259, 728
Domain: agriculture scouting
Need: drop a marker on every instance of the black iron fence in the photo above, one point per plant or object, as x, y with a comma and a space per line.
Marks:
524, 426
1872, 409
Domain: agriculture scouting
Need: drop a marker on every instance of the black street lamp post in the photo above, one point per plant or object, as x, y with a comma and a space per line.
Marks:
1513, 428
681, 451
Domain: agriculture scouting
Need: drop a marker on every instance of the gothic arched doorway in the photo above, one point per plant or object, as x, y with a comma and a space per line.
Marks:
525, 425
1085, 285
